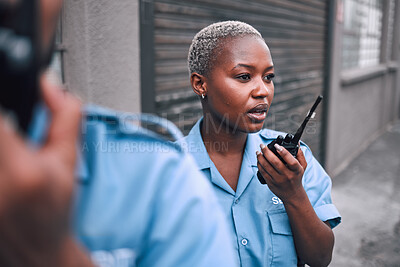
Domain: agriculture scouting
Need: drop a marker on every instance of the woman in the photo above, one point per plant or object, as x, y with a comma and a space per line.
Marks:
288, 220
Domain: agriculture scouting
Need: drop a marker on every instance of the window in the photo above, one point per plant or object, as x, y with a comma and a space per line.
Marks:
362, 33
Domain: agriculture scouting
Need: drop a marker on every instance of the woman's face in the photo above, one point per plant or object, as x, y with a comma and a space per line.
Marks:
239, 86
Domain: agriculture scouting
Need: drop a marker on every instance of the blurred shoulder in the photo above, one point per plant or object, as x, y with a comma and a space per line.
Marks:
115, 143
102, 124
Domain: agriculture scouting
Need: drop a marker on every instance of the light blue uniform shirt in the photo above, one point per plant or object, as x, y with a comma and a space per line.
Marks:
257, 217
141, 201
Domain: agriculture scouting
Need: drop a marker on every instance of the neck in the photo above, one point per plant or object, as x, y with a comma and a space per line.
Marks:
220, 138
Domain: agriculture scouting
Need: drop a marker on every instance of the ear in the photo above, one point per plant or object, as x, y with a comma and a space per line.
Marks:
198, 83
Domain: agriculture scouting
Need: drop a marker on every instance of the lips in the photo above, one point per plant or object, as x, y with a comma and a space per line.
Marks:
258, 113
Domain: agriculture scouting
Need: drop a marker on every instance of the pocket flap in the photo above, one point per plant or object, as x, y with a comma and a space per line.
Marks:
280, 223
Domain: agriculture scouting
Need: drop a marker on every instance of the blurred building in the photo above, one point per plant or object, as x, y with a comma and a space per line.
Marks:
131, 55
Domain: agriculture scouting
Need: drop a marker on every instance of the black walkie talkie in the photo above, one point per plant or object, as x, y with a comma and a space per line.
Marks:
20, 59
291, 142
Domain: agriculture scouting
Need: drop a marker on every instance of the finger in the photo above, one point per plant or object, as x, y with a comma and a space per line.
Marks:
65, 122
266, 167
12, 145
291, 162
17, 166
265, 175
273, 160
301, 158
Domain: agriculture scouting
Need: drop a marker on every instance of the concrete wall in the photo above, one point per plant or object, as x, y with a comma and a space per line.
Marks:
102, 61
361, 104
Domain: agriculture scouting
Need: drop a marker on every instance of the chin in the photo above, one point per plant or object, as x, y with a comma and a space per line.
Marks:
252, 127
256, 129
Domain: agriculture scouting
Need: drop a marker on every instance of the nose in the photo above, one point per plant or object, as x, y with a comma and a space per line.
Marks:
262, 89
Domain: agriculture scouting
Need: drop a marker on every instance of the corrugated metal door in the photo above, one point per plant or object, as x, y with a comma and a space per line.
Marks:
294, 30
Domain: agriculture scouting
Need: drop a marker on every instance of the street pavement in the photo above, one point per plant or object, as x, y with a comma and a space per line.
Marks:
367, 194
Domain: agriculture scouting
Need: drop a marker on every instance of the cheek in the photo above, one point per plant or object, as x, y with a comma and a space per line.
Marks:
234, 95
271, 95
271, 91
227, 96
221, 93
232, 100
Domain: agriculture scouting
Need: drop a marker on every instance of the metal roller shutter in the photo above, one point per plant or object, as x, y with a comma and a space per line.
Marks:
295, 31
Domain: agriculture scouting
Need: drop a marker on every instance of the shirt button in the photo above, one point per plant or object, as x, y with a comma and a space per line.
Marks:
244, 241
237, 201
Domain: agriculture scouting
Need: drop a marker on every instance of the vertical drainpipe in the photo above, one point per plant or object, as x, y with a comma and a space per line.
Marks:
147, 59
383, 58
331, 11
396, 58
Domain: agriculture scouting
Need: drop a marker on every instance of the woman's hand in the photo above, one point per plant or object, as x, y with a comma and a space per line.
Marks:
313, 238
284, 180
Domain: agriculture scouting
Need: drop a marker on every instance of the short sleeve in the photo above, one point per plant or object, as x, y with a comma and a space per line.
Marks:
188, 228
318, 185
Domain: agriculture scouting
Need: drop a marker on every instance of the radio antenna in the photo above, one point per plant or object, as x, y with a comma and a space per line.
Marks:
310, 115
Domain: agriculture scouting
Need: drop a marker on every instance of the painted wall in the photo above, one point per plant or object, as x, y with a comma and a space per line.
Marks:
102, 62
361, 103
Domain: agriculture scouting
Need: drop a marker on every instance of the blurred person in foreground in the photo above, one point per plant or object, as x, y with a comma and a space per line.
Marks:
65, 200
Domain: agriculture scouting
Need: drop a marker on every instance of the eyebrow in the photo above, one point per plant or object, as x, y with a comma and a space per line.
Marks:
251, 67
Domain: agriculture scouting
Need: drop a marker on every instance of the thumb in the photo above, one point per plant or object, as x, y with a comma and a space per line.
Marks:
65, 122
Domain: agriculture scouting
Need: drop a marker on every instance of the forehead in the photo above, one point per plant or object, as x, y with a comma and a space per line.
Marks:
245, 49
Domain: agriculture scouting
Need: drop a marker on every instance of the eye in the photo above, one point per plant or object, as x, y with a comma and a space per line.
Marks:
269, 77
243, 77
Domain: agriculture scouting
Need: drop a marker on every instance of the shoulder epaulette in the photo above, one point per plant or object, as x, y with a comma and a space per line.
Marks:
126, 123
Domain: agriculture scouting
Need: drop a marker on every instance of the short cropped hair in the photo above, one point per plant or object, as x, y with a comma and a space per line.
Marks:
205, 43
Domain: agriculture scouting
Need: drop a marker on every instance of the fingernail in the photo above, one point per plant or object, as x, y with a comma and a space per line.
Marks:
278, 147
262, 146
258, 152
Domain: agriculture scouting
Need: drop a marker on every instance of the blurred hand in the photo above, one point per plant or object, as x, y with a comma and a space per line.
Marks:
36, 188
284, 180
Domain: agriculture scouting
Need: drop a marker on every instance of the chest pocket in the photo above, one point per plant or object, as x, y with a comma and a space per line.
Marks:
283, 250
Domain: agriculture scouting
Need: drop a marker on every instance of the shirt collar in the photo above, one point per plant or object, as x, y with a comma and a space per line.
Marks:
195, 146
252, 145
